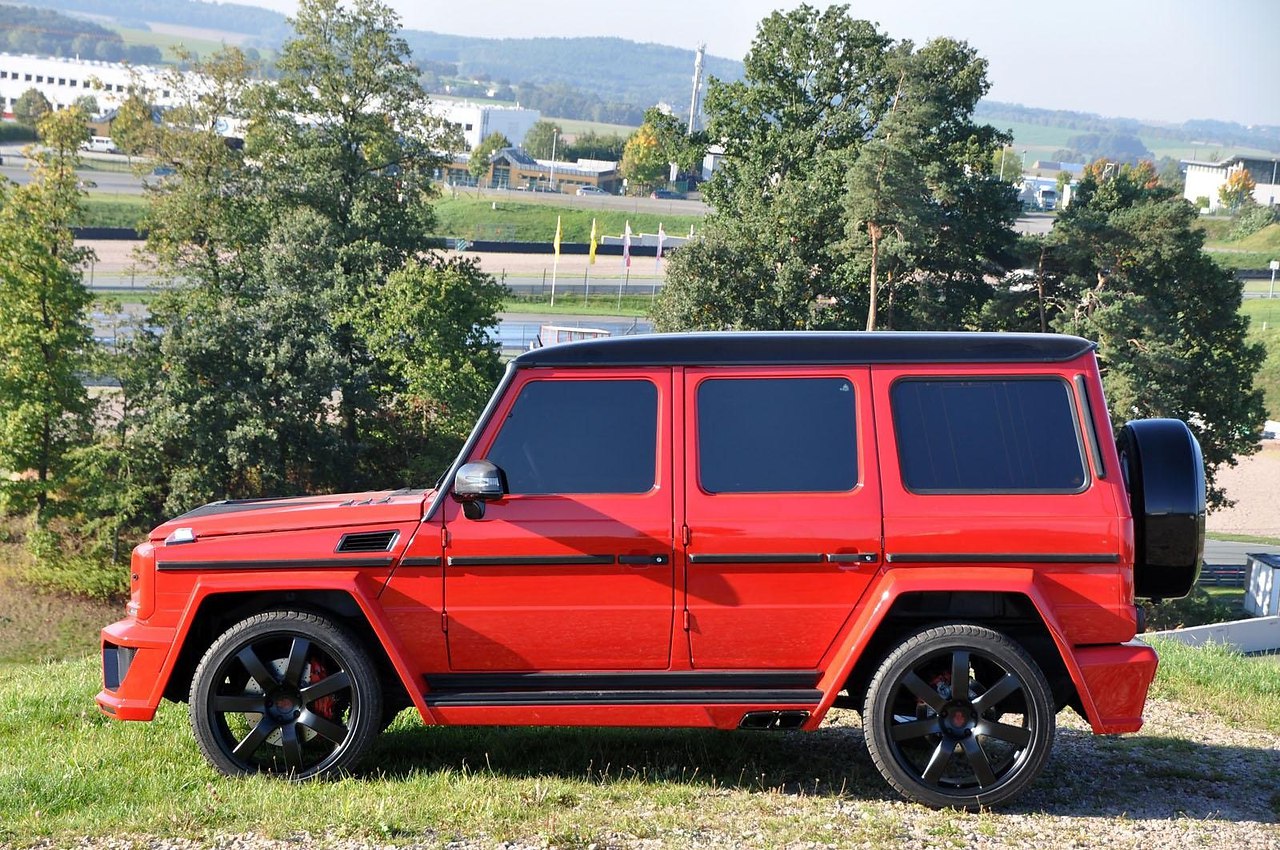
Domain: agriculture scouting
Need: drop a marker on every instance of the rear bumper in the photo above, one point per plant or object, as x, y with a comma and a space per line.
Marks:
1116, 679
133, 656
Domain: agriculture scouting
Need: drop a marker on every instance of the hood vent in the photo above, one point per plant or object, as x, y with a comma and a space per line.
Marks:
368, 541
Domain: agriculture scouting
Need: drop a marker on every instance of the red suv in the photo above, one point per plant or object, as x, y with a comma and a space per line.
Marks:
736, 531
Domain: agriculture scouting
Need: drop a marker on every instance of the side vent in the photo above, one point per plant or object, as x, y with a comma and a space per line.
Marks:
368, 541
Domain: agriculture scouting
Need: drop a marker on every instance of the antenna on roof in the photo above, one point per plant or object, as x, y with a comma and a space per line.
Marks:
695, 105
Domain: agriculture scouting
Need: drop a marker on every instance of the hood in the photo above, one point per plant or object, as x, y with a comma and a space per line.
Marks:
255, 516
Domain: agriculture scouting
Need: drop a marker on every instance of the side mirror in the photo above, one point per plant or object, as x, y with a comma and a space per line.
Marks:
476, 483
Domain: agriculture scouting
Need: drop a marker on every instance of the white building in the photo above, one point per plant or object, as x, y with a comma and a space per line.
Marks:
63, 80
1204, 179
479, 120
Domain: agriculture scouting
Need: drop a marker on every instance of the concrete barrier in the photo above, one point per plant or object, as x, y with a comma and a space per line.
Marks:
1258, 634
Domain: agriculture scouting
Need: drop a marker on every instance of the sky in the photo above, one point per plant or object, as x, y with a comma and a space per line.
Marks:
1156, 60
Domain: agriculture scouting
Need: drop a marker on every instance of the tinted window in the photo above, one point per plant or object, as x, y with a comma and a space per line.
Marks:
580, 437
1003, 436
776, 435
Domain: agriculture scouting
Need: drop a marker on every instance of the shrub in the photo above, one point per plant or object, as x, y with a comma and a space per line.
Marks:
11, 131
1251, 219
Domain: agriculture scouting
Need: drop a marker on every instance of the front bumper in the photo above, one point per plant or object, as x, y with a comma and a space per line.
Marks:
133, 660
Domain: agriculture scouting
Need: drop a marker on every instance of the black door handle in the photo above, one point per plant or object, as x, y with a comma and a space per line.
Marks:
643, 560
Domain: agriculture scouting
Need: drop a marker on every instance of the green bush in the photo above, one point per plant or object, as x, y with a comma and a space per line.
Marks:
66, 565
1198, 608
1202, 202
1251, 219
13, 132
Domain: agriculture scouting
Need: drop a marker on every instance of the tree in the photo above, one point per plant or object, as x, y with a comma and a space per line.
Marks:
1007, 165
1125, 267
836, 136
478, 166
30, 107
88, 104
45, 340
1237, 190
542, 139
644, 161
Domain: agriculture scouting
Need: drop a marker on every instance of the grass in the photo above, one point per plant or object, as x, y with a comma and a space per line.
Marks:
476, 218
1220, 680
114, 210
573, 305
1264, 328
205, 47
1245, 538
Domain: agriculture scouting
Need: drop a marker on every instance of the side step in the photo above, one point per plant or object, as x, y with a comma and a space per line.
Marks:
769, 687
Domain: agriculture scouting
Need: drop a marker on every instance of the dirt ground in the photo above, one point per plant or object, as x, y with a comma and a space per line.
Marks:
1254, 484
116, 255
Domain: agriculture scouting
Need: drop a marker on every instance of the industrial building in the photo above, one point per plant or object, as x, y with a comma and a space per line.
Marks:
62, 80
1204, 179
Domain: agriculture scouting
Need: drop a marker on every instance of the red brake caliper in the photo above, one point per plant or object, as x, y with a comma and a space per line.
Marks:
325, 705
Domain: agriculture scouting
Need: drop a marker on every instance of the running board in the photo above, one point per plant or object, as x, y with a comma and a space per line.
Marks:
770, 687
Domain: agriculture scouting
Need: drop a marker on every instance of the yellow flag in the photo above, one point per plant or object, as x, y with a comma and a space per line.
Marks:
593, 242
557, 236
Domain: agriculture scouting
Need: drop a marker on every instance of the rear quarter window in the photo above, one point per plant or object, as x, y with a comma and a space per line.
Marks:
1003, 435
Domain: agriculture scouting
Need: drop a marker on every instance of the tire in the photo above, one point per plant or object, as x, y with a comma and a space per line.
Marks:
1163, 470
981, 748
288, 693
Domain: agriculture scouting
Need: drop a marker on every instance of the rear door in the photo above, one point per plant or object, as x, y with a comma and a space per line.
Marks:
782, 510
573, 569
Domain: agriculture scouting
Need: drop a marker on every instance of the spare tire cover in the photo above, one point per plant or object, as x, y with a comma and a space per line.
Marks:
1164, 472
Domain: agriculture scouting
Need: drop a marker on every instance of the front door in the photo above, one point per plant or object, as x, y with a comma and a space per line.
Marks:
782, 507
573, 569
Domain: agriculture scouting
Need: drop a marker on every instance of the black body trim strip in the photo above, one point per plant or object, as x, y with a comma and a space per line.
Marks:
760, 558
292, 564
643, 697
537, 561
419, 562
1002, 558
714, 680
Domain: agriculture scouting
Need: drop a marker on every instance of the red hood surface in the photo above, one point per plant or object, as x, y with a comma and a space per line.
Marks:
254, 516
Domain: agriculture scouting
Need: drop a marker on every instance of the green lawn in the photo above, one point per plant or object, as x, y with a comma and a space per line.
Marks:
114, 210
469, 217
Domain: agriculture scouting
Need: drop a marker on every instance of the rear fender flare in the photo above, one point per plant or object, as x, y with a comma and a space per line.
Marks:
897, 582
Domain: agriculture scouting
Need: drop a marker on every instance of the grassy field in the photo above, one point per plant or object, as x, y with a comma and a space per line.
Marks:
1264, 328
205, 47
103, 209
468, 217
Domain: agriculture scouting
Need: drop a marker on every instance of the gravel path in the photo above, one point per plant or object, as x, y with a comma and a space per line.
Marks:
1254, 484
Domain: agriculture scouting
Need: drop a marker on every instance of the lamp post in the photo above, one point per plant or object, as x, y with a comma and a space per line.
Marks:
555, 136
1024, 161
1275, 264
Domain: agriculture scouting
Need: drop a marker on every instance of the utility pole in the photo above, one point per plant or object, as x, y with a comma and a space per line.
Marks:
555, 135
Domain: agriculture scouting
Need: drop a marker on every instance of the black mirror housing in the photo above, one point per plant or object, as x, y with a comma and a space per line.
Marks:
479, 481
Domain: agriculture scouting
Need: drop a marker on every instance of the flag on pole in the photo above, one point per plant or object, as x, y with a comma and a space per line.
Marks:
593, 242
657, 263
557, 242
626, 246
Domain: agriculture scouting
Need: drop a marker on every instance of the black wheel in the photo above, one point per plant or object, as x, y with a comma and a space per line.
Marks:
285, 692
959, 715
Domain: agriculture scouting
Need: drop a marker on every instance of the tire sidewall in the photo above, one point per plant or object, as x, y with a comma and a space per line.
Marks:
938, 640
331, 638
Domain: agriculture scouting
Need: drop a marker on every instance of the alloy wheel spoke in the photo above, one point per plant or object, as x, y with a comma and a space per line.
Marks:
292, 746
978, 761
297, 662
914, 729
1017, 735
923, 692
1002, 689
960, 674
259, 671
250, 743
238, 703
324, 727
326, 686
939, 760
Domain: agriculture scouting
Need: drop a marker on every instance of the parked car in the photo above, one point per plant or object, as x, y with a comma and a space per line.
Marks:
731, 530
666, 195
591, 190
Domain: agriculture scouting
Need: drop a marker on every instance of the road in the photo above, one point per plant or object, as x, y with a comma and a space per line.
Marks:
113, 182
1222, 553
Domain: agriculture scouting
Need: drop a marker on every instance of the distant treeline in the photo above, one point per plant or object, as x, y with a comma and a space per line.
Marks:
1225, 133
46, 33
268, 28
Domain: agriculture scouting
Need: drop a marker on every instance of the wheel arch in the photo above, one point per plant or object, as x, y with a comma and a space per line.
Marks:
1003, 599
214, 609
